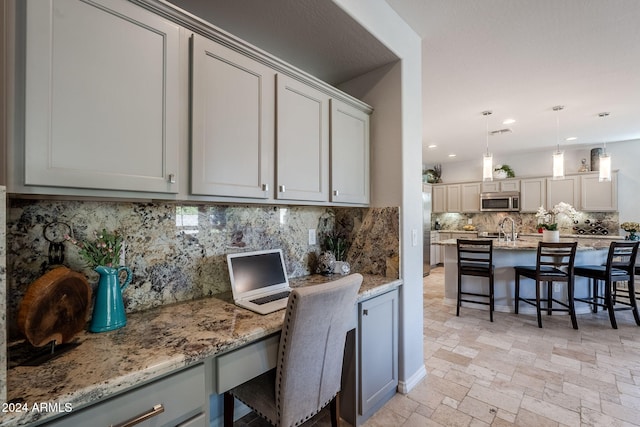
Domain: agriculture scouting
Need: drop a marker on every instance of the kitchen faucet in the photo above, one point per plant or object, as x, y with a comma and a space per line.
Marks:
513, 229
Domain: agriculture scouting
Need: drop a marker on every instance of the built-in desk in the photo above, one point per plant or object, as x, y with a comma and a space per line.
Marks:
155, 344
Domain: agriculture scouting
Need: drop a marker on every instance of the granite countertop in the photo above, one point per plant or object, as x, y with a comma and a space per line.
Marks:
154, 343
531, 243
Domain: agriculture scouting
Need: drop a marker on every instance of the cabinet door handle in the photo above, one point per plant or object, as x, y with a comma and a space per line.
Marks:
156, 410
336, 193
265, 187
172, 178
282, 189
365, 312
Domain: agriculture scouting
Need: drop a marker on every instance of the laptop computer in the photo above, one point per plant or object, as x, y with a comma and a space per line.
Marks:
259, 280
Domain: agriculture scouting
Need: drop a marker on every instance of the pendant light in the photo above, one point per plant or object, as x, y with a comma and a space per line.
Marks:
558, 156
487, 159
605, 159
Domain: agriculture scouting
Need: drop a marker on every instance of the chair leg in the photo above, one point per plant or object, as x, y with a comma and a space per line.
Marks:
549, 298
334, 409
538, 304
594, 307
459, 295
572, 306
228, 409
517, 301
632, 300
491, 298
609, 303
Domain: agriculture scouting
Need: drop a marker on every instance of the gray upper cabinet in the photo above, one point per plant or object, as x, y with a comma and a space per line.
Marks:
349, 154
599, 196
232, 128
302, 159
102, 97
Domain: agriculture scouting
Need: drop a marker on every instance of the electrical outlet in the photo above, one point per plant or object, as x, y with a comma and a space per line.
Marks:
470, 221
312, 236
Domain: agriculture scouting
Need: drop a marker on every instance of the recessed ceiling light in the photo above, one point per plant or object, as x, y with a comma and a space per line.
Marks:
452, 155
509, 121
432, 146
572, 138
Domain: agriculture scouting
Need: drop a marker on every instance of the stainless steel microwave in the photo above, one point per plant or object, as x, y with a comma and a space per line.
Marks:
500, 202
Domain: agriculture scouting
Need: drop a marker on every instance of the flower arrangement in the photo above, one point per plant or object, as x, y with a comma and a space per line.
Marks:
104, 250
630, 227
547, 220
507, 169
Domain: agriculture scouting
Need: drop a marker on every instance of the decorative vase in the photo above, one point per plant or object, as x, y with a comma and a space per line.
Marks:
552, 236
108, 308
633, 236
500, 174
326, 263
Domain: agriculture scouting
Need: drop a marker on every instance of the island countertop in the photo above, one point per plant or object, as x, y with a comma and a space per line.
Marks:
154, 343
531, 243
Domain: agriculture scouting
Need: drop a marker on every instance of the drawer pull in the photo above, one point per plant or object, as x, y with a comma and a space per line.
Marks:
156, 410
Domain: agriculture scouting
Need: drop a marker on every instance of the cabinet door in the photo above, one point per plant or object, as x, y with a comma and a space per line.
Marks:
470, 197
378, 318
454, 198
510, 185
233, 119
533, 194
563, 190
102, 97
349, 154
302, 165
599, 196
490, 187
439, 197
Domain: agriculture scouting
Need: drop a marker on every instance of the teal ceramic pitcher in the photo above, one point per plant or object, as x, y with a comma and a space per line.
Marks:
108, 309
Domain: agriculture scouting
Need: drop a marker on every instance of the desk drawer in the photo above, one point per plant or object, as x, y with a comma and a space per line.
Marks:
182, 396
240, 365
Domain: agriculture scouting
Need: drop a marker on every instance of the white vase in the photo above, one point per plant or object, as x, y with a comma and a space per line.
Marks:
500, 174
551, 236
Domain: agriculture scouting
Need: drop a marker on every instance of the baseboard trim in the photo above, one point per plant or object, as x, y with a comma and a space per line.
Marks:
405, 387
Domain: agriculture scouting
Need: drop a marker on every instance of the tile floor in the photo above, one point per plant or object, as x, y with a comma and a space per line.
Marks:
510, 372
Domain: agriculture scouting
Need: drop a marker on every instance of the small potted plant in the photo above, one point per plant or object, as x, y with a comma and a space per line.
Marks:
503, 171
632, 228
547, 220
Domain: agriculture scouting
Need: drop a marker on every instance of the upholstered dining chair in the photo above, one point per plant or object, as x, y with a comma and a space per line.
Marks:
475, 258
554, 263
620, 267
309, 366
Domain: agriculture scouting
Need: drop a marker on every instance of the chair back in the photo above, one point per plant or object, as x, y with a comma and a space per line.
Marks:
311, 350
552, 256
622, 258
475, 254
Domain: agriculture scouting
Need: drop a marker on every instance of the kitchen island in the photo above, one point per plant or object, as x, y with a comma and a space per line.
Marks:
522, 251
155, 344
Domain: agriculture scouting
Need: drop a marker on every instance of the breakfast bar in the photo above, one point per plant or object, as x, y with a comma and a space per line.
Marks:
522, 251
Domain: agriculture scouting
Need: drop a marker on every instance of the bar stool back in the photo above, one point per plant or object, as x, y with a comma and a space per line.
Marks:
554, 263
475, 258
620, 267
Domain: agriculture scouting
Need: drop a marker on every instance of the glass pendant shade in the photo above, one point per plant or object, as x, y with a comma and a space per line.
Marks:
605, 167
558, 165
487, 167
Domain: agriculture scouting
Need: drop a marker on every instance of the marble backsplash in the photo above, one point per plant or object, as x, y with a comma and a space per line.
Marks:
177, 252
597, 223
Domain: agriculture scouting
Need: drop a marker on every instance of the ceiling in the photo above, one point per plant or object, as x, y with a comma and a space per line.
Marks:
517, 58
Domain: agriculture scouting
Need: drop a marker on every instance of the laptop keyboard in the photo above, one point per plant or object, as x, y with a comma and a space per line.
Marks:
270, 298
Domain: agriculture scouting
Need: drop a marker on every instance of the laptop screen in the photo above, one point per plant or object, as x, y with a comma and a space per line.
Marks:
250, 271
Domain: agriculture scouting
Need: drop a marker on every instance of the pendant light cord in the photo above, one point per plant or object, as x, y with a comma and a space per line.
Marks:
604, 140
486, 115
557, 109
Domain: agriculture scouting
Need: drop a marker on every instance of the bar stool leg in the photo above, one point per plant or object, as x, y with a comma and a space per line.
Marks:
517, 302
632, 300
609, 304
459, 295
594, 307
572, 308
491, 299
538, 304
549, 297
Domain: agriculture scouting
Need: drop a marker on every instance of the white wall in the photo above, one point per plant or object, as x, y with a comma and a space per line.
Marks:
395, 93
625, 157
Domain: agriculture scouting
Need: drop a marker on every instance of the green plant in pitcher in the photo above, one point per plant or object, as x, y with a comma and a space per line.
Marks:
337, 244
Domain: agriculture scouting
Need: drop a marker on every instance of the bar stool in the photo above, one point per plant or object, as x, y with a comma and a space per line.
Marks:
554, 263
620, 267
475, 258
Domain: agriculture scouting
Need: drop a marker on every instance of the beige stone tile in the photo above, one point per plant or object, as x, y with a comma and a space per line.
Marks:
505, 416
417, 420
402, 405
384, 418
460, 377
447, 388
425, 411
630, 401
590, 417
495, 398
629, 389
581, 392
620, 412
551, 411
450, 417
565, 400
481, 372
452, 357
478, 410
527, 418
